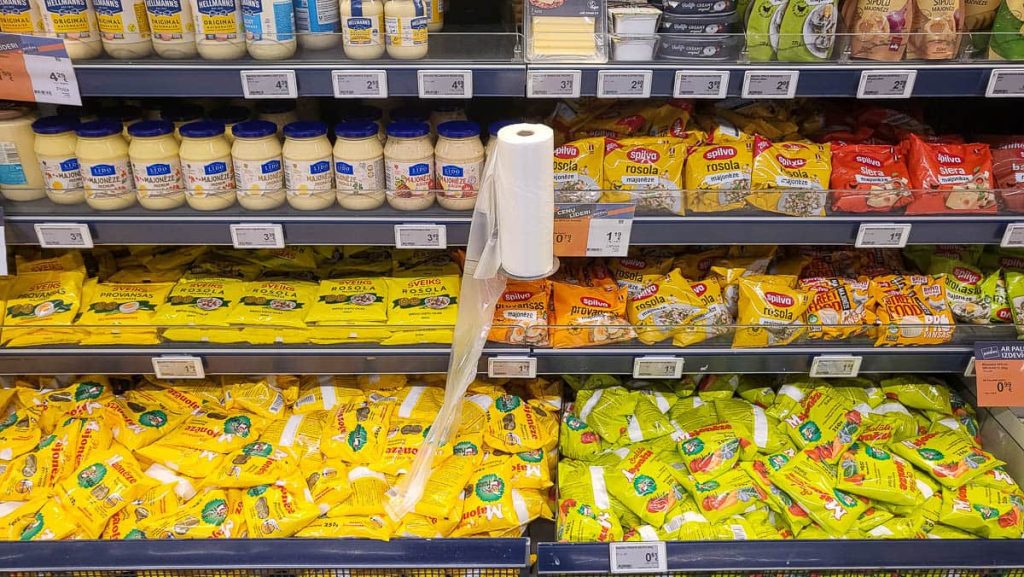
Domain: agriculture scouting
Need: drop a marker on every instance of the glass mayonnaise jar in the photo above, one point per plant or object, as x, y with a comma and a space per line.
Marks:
280, 112
124, 28
181, 113
308, 178
409, 166
359, 165
75, 22
229, 116
459, 161
173, 28
492, 134
269, 28
405, 25
106, 172
219, 33
155, 165
206, 166
55, 151
362, 28
20, 178
259, 176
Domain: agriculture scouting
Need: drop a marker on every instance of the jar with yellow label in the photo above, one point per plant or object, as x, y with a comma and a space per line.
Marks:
156, 166
124, 28
359, 165
459, 162
173, 28
206, 166
362, 29
259, 172
75, 22
106, 170
21, 17
409, 166
219, 30
308, 178
55, 151
435, 13
20, 178
405, 25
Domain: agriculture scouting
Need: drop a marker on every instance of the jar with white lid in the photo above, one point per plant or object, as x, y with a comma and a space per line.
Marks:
55, 150
269, 28
206, 166
259, 171
229, 116
359, 165
317, 22
492, 134
181, 113
173, 28
405, 25
156, 165
280, 112
220, 34
20, 178
409, 166
74, 21
106, 171
372, 114
362, 29
124, 28
308, 177
459, 161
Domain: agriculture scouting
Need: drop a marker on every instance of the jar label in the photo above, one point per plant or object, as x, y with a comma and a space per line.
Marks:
362, 31
157, 179
166, 20
10, 164
277, 24
259, 175
65, 17
459, 180
317, 15
107, 179
61, 175
360, 176
118, 21
16, 17
218, 19
406, 31
206, 177
304, 177
409, 178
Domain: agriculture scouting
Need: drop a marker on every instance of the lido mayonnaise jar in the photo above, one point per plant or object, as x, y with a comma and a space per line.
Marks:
55, 150
173, 28
409, 166
20, 178
124, 28
219, 33
106, 171
362, 29
206, 166
259, 174
308, 178
459, 161
358, 165
155, 165
75, 22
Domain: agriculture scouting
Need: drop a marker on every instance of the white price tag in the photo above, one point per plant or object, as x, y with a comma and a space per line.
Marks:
53, 79
421, 236
512, 367
701, 84
58, 235
624, 83
178, 367
882, 235
360, 83
445, 83
835, 366
257, 235
770, 83
609, 236
1014, 236
969, 371
553, 83
644, 557
886, 83
269, 84
657, 368
1005, 83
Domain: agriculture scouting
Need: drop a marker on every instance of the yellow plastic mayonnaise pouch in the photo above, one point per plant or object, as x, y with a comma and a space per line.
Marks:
878, 474
277, 303
357, 432
647, 171
425, 301
279, 509
49, 523
68, 262
662, 306
51, 298
299, 433
730, 493
769, 314
136, 424
949, 457
327, 482
825, 423
196, 463
514, 425
712, 321
121, 303
255, 395
206, 516
712, 450
812, 485
579, 170
257, 463
792, 514
644, 485
212, 430
634, 271
795, 173
101, 487
35, 473
718, 176
446, 482
19, 433
318, 393
369, 494
491, 504
204, 302
983, 511
350, 301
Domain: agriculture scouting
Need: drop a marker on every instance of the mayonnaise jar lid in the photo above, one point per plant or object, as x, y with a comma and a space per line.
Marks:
355, 129
151, 128
305, 129
54, 125
98, 128
408, 129
254, 129
202, 129
458, 129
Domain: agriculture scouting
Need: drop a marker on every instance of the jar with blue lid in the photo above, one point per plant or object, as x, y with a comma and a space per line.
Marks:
156, 165
258, 164
409, 165
206, 166
358, 165
459, 161
54, 145
106, 171
308, 175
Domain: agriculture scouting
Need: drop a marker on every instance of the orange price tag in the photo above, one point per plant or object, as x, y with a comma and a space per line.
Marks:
37, 69
1000, 383
593, 229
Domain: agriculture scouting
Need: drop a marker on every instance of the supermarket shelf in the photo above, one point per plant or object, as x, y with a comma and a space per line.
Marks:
593, 558
83, 556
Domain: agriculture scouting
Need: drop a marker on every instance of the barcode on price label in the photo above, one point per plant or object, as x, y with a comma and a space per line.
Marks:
360, 83
512, 367
178, 367
882, 235
553, 83
657, 368
645, 557
829, 366
609, 236
257, 236
421, 236
60, 235
1005, 83
886, 83
1014, 236
269, 84
624, 83
701, 84
770, 83
445, 83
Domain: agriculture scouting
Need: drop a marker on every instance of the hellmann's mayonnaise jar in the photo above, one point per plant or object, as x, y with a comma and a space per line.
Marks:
173, 28
55, 150
219, 31
75, 22
358, 165
124, 28
21, 17
405, 24
106, 170
206, 166
435, 13
20, 178
409, 166
259, 170
362, 29
156, 165
459, 162
308, 177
